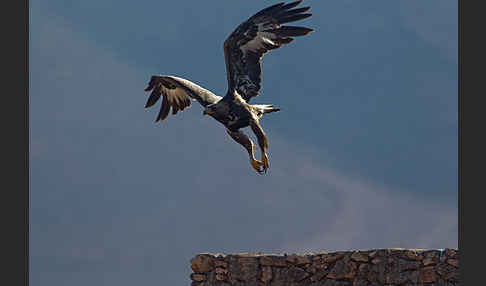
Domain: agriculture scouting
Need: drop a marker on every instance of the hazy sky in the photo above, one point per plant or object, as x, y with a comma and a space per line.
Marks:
362, 155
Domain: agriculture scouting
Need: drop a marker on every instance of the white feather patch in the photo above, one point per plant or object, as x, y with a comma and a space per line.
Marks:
257, 42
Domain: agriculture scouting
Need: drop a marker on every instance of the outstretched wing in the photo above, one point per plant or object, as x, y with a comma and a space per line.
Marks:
176, 93
244, 48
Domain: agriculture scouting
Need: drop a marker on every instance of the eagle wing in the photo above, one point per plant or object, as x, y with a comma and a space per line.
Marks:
176, 93
245, 47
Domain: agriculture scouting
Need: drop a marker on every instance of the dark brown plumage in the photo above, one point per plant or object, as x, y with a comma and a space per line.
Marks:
243, 51
245, 47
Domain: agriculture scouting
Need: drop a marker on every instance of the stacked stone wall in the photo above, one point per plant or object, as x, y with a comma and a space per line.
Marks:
346, 268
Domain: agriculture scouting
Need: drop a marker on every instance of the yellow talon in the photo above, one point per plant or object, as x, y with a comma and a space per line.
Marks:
256, 165
265, 162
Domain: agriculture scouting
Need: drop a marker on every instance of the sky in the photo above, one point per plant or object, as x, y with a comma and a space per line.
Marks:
363, 153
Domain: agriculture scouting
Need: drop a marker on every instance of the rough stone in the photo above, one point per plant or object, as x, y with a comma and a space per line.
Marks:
427, 275
319, 275
453, 262
243, 269
412, 254
221, 271
360, 282
273, 261
413, 277
452, 276
376, 260
404, 265
298, 259
346, 268
363, 269
330, 282
377, 253
429, 261
343, 270
198, 277
202, 263
222, 264
451, 253
266, 274
359, 257
220, 277
330, 258
297, 274
246, 259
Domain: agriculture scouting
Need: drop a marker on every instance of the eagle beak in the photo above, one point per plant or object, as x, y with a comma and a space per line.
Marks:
206, 111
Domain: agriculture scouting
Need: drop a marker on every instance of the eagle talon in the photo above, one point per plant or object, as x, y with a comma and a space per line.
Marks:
256, 165
265, 162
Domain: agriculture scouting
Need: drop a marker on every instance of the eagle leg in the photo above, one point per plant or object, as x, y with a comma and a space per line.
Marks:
262, 142
246, 142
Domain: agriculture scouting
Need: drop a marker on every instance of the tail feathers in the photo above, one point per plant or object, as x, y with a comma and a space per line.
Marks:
267, 108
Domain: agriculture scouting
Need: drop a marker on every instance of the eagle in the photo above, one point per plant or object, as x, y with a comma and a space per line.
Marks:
243, 53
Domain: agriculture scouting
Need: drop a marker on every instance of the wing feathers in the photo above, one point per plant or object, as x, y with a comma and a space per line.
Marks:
164, 110
285, 13
291, 5
291, 31
293, 18
152, 100
262, 32
176, 93
270, 9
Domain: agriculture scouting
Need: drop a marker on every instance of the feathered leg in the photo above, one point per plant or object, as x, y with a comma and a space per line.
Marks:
246, 142
262, 141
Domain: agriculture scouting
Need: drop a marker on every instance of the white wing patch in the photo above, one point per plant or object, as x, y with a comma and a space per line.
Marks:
257, 43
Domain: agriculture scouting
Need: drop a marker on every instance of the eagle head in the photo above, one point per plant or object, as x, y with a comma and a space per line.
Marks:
208, 110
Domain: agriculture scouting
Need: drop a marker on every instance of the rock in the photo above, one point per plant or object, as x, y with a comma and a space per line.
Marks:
266, 274
273, 261
427, 275
359, 257
360, 282
443, 259
377, 253
343, 270
413, 277
221, 271
246, 259
333, 258
297, 274
429, 261
391, 267
412, 254
453, 262
396, 278
444, 269
244, 269
219, 263
330, 282
202, 263
404, 265
198, 277
319, 275
451, 253
452, 276
298, 259
363, 268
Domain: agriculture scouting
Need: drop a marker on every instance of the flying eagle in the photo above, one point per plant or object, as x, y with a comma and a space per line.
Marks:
243, 51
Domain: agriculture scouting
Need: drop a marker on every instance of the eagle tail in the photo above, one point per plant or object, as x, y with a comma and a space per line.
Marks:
266, 108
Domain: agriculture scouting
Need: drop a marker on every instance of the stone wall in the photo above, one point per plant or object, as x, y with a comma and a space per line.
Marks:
350, 268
